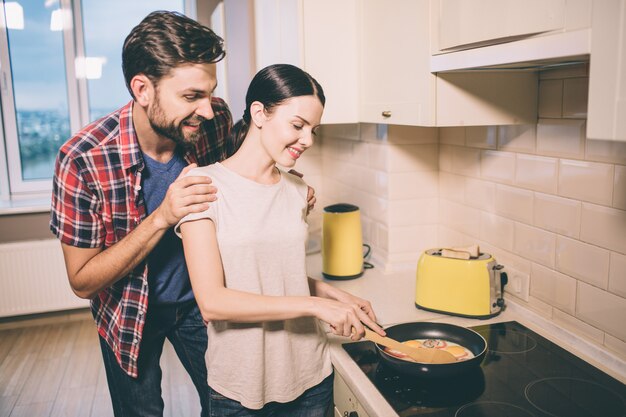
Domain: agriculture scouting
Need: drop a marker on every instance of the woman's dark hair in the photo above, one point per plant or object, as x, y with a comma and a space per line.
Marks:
271, 86
164, 40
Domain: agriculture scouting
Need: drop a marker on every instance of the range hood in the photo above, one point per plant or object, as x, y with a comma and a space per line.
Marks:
530, 53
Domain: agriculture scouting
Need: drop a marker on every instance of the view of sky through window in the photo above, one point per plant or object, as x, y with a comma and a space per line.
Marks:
39, 75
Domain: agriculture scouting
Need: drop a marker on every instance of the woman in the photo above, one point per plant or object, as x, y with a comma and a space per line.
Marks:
246, 258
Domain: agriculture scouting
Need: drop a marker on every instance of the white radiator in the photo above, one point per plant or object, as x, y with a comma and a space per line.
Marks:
33, 279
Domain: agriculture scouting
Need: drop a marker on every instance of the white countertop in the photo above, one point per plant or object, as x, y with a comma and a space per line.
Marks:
393, 298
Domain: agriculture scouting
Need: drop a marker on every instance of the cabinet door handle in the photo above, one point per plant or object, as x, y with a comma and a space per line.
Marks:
386, 113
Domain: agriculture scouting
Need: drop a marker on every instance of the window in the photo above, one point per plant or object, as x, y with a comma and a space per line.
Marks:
60, 68
103, 47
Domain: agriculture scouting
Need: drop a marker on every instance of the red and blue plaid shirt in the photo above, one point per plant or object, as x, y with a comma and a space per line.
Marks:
96, 202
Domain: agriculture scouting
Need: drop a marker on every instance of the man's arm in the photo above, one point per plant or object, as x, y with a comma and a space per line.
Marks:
90, 270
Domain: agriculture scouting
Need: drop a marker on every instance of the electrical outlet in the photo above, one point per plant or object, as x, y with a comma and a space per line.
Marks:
519, 283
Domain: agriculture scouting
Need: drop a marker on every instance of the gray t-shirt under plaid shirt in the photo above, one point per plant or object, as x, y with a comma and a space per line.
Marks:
261, 233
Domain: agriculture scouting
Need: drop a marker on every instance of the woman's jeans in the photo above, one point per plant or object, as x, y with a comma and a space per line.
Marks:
141, 397
314, 402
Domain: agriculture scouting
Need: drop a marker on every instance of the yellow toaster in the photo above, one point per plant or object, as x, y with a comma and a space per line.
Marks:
463, 287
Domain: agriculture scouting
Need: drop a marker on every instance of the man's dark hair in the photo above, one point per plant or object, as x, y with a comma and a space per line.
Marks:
164, 40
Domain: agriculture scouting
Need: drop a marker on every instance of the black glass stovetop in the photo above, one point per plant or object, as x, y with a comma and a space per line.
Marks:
522, 375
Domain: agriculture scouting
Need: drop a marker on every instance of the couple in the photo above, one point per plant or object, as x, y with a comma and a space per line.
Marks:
165, 249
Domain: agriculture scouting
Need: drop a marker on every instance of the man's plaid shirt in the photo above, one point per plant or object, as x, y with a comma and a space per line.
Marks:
97, 201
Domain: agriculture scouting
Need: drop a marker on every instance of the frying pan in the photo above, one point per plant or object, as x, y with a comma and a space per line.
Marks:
423, 330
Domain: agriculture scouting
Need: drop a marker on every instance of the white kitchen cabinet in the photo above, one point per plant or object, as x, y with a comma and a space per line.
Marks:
345, 400
319, 36
373, 59
606, 113
397, 86
469, 34
463, 24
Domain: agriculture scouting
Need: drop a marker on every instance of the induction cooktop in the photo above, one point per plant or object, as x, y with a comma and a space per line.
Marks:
522, 375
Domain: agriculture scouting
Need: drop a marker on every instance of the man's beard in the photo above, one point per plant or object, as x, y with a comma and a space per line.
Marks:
163, 127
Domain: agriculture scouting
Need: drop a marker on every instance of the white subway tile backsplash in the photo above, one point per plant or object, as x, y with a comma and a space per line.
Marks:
350, 131
314, 220
368, 230
616, 345
452, 186
449, 238
540, 307
398, 135
575, 97
610, 151
497, 230
619, 189
498, 166
514, 203
601, 309
480, 194
557, 214
360, 153
537, 173
315, 181
460, 217
517, 138
587, 181
381, 186
346, 173
365, 179
380, 233
445, 158
508, 259
562, 138
580, 260
452, 135
550, 98
411, 158
413, 212
332, 190
485, 137
378, 157
375, 207
603, 226
337, 149
577, 326
407, 185
535, 244
412, 239
617, 274
554, 288
466, 161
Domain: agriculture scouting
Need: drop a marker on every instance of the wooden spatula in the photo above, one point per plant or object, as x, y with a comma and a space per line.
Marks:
422, 355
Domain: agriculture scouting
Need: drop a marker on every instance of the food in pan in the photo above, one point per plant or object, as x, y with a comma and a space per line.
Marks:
461, 353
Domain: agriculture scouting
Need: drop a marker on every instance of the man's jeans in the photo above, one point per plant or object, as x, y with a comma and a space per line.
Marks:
141, 397
314, 402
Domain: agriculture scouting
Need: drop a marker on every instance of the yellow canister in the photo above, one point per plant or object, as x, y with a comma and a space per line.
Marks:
342, 242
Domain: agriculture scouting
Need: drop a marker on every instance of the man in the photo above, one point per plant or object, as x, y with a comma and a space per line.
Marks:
118, 190
120, 187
